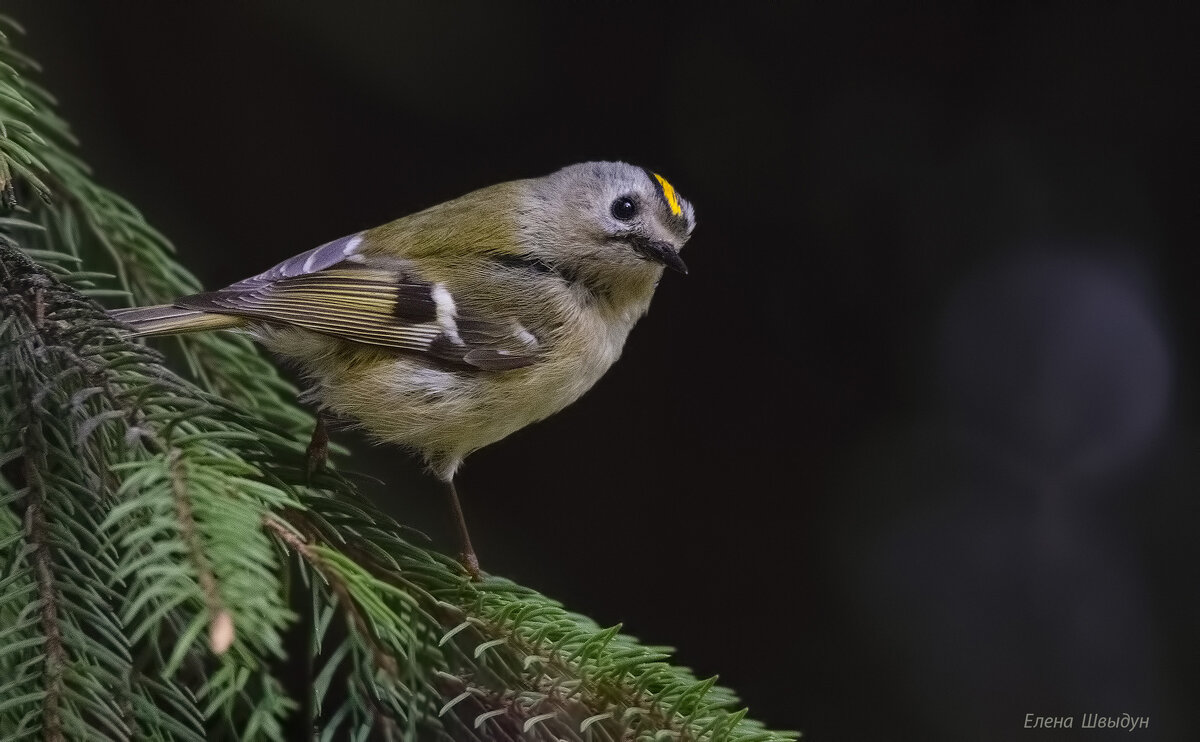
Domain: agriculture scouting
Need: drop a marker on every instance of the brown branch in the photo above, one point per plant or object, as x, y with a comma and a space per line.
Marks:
43, 565
382, 658
220, 626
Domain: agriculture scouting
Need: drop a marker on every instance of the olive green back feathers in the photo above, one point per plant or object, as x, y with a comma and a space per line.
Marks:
458, 283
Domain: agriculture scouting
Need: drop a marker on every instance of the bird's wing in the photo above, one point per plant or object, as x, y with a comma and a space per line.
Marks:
336, 291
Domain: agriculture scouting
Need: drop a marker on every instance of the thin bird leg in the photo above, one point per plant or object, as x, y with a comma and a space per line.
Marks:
317, 454
466, 554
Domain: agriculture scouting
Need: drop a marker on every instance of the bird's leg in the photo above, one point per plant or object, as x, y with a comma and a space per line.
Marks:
317, 454
466, 553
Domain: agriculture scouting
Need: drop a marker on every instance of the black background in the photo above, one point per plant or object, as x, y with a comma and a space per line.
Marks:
911, 452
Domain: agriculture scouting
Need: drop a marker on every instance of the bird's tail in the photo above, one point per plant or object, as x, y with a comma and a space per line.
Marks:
167, 319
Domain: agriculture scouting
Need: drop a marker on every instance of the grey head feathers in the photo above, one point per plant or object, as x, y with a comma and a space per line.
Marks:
608, 222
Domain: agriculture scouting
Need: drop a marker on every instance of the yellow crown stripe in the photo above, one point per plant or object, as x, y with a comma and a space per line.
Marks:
672, 198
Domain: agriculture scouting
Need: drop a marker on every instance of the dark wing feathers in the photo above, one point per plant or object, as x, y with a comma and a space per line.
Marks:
310, 261
335, 291
490, 359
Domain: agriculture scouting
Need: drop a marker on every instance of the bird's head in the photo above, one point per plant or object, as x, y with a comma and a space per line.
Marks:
611, 224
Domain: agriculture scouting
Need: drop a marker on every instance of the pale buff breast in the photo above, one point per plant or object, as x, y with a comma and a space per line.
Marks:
445, 414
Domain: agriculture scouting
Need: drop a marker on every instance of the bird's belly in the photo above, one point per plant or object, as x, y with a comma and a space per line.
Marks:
445, 413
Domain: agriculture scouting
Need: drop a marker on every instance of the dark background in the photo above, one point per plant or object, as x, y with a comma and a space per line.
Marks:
912, 451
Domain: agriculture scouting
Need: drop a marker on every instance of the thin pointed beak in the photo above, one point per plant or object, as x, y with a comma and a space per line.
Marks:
662, 252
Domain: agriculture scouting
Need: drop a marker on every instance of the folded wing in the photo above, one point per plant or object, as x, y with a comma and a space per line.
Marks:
335, 291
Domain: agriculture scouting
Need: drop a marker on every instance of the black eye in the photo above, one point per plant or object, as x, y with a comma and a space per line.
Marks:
624, 208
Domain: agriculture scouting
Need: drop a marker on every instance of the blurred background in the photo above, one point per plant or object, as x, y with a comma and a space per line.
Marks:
911, 453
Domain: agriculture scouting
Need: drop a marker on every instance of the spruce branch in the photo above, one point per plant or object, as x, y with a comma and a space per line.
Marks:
56, 659
220, 632
151, 522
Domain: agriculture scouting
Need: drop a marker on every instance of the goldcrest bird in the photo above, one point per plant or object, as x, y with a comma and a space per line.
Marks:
446, 330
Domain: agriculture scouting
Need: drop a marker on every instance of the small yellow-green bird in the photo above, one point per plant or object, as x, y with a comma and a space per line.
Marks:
446, 330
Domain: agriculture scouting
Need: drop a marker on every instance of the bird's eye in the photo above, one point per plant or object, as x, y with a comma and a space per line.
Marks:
624, 208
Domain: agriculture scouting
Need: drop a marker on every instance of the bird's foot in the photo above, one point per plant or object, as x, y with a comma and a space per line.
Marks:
470, 563
316, 456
